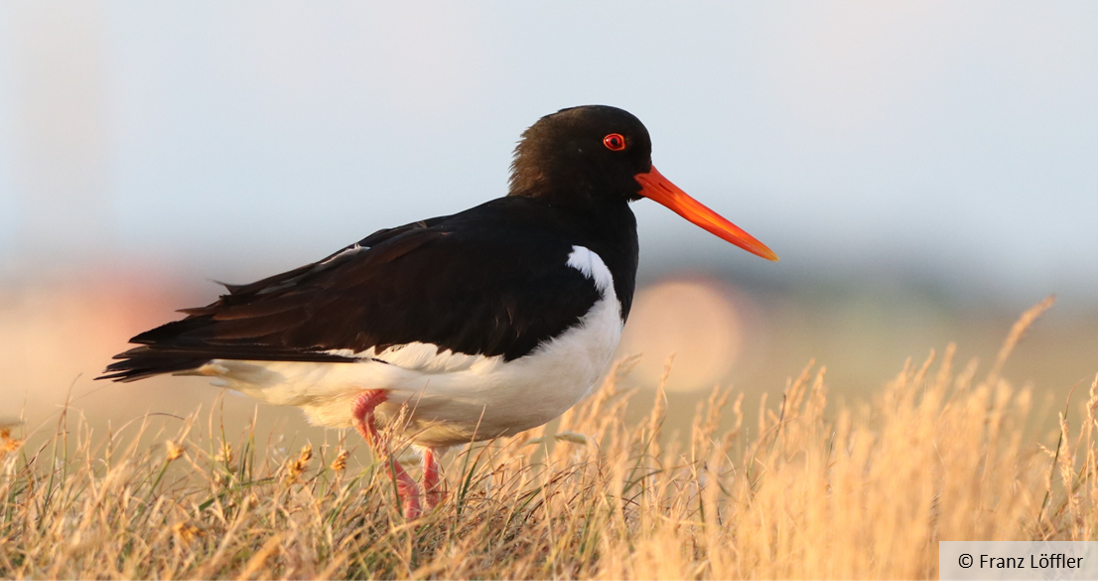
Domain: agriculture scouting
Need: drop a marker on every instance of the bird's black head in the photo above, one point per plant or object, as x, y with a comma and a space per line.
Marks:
582, 155
593, 158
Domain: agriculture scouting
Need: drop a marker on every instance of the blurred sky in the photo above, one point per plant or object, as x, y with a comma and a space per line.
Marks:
954, 139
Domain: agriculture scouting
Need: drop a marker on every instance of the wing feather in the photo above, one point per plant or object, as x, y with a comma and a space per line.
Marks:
459, 282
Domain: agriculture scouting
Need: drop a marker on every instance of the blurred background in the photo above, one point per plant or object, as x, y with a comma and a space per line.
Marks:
926, 171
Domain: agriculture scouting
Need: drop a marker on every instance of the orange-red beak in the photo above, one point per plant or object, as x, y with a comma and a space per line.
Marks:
660, 189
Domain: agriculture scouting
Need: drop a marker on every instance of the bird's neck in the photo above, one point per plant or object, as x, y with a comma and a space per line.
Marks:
602, 223
602, 217
610, 230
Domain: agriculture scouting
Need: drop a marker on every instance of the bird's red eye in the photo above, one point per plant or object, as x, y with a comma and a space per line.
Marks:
614, 142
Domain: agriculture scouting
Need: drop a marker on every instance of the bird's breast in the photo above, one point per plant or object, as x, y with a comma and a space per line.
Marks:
509, 397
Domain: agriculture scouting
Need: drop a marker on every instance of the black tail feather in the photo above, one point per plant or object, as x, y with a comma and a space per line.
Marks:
143, 362
147, 361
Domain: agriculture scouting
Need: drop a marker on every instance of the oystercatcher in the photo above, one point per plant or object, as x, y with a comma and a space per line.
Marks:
471, 326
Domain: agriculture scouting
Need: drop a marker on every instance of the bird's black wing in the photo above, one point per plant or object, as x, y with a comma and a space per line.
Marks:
490, 281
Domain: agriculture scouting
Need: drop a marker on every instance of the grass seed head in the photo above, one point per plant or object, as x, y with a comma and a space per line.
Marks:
8, 443
175, 451
297, 467
340, 462
187, 531
225, 454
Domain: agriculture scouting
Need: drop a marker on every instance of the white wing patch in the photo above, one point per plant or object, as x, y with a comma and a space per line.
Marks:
425, 358
346, 253
592, 267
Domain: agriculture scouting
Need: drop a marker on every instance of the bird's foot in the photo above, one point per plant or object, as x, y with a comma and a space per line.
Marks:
432, 481
408, 490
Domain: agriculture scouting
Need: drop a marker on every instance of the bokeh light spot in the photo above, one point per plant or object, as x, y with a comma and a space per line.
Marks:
694, 319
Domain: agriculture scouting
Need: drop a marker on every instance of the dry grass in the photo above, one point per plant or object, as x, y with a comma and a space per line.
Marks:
862, 491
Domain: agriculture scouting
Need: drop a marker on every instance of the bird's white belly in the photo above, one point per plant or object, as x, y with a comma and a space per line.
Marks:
451, 398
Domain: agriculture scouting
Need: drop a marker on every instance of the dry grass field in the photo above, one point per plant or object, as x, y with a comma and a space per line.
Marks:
805, 489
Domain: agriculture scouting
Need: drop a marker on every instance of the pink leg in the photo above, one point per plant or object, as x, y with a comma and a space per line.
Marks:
407, 489
363, 413
431, 481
